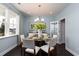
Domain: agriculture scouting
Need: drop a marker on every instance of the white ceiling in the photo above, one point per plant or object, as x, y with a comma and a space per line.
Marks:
44, 9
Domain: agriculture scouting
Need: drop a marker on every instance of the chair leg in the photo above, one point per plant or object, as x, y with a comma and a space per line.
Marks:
21, 48
21, 51
54, 52
24, 51
49, 52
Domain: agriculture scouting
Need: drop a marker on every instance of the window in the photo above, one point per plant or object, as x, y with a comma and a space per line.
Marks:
2, 20
9, 22
12, 27
53, 28
13, 19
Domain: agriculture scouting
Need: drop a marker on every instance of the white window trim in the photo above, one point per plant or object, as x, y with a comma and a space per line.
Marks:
7, 23
18, 20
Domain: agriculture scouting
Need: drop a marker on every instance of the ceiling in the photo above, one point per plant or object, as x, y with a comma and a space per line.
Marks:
40, 9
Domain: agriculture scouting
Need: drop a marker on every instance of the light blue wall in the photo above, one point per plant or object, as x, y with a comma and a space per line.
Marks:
71, 14
25, 25
29, 20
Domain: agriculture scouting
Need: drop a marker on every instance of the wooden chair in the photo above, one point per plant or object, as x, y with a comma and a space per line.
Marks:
30, 47
21, 42
50, 46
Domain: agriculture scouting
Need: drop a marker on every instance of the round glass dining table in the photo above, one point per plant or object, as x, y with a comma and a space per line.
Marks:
40, 41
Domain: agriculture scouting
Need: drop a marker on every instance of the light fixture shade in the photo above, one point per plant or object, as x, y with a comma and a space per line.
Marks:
42, 19
37, 19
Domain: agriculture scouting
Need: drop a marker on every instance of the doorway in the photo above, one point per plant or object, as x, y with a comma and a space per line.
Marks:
62, 31
53, 28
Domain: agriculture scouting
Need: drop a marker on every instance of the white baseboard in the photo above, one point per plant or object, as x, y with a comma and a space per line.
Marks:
72, 52
7, 50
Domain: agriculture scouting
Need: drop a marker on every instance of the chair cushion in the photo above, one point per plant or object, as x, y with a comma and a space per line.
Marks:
45, 36
29, 50
32, 50
31, 35
37, 49
34, 38
46, 47
54, 36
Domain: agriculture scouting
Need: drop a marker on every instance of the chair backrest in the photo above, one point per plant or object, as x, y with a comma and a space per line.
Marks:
29, 44
47, 40
54, 36
52, 42
22, 38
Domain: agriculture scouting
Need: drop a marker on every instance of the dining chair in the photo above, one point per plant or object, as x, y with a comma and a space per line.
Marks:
49, 47
30, 47
22, 37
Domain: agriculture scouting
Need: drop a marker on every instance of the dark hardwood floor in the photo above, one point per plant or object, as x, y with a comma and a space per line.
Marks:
59, 48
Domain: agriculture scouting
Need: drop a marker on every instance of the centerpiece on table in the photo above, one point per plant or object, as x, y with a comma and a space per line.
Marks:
39, 26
